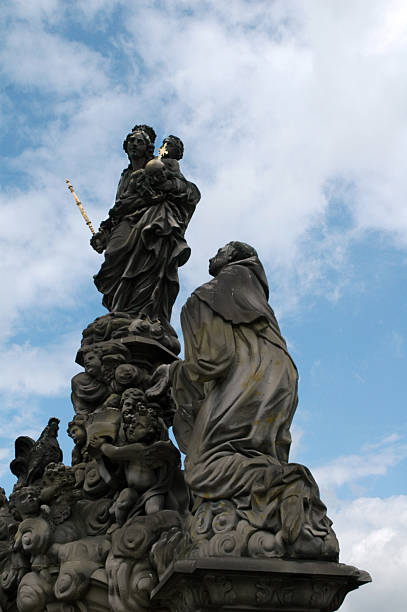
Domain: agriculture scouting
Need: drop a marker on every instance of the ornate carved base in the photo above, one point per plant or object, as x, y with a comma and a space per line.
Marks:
246, 585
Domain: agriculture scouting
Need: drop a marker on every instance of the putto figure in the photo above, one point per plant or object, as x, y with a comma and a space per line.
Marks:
143, 237
149, 458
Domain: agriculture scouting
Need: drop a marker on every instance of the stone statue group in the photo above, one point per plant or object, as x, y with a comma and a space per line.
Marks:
110, 524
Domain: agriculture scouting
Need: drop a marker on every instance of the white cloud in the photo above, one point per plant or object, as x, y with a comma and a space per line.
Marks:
275, 103
374, 460
397, 343
43, 262
390, 439
29, 375
297, 434
372, 533
283, 106
20, 416
32, 57
31, 370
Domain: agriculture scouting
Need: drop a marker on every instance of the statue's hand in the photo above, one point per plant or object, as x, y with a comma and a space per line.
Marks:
97, 242
95, 441
160, 381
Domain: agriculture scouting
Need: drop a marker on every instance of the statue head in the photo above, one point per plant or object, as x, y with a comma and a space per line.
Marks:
233, 251
141, 425
175, 147
25, 501
138, 143
130, 398
92, 361
76, 429
128, 374
100, 362
148, 129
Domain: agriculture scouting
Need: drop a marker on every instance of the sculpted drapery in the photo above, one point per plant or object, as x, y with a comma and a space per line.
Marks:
236, 393
143, 237
144, 250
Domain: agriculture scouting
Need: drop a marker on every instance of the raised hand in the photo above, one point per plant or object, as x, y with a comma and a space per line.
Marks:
95, 441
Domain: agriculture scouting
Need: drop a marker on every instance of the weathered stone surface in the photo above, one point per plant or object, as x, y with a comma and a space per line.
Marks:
143, 237
272, 585
32, 456
238, 529
236, 394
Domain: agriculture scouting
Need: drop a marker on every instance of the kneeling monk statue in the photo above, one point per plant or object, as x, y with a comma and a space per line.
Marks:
236, 394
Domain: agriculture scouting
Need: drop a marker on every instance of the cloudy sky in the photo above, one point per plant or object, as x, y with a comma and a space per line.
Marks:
294, 119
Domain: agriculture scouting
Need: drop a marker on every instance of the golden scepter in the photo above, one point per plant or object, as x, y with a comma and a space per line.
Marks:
162, 151
79, 203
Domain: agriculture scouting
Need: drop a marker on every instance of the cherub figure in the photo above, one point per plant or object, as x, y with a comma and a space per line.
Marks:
25, 502
33, 535
58, 491
149, 459
91, 388
77, 431
159, 172
157, 182
171, 151
131, 398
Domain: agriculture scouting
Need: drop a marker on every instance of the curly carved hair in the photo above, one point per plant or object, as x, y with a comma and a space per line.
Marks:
178, 144
144, 131
111, 356
16, 494
136, 395
79, 420
155, 424
148, 129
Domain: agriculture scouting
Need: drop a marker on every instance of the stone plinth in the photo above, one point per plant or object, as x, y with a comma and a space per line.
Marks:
246, 585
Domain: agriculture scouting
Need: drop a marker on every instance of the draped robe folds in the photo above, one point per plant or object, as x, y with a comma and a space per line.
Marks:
87, 392
236, 394
145, 247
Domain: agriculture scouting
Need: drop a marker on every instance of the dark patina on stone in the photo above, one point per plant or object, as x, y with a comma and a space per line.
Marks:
124, 528
247, 585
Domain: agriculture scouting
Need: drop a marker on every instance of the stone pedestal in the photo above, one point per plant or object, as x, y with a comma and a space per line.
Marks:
246, 585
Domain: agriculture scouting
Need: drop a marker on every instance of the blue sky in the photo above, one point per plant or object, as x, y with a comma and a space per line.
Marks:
293, 116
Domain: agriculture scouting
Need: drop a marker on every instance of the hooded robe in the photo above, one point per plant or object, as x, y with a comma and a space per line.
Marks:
236, 394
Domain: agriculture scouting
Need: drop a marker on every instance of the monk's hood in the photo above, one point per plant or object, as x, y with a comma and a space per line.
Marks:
239, 294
